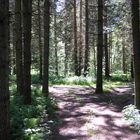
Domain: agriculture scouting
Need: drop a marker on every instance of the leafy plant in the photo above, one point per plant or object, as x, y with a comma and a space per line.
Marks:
27, 121
131, 113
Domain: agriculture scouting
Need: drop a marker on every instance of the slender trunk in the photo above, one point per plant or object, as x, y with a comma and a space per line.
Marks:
99, 83
46, 47
81, 41
107, 71
136, 49
4, 71
27, 14
66, 42
13, 52
110, 52
86, 63
94, 55
124, 59
39, 41
18, 43
55, 39
75, 41
132, 70
9, 49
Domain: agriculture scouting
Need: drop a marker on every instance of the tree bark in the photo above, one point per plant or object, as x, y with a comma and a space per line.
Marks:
46, 47
18, 43
107, 68
55, 39
27, 15
81, 39
132, 67
75, 41
86, 63
66, 41
136, 49
39, 41
99, 82
4, 71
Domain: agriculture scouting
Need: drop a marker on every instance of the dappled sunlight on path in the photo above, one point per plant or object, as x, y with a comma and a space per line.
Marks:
87, 116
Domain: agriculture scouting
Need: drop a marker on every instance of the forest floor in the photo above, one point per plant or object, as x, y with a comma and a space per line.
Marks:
83, 115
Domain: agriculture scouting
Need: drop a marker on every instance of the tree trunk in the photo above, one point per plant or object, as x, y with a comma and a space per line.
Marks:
136, 49
110, 52
55, 39
132, 70
13, 52
99, 82
66, 42
46, 47
4, 71
86, 63
81, 39
124, 59
18, 43
107, 70
75, 41
39, 41
27, 14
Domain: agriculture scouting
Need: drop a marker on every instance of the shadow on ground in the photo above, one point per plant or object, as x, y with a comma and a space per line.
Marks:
83, 115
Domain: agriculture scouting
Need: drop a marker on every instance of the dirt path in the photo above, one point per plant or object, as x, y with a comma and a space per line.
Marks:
83, 115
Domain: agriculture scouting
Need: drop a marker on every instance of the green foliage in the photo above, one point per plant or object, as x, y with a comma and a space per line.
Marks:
12, 77
120, 77
27, 121
36, 79
131, 113
75, 80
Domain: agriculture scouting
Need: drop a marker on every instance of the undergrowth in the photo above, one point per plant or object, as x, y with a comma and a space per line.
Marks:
28, 121
131, 114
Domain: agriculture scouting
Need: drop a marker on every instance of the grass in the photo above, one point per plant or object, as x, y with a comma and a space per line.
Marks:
75, 80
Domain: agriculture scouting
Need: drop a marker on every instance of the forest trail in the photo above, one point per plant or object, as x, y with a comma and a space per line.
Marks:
83, 115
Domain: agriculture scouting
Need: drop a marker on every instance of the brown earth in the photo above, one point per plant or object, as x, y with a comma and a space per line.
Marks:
83, 115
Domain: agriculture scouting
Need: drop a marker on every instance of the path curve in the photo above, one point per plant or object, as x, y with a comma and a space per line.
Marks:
86, 116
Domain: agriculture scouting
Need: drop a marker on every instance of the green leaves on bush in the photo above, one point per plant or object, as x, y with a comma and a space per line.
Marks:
132, 115
27, 120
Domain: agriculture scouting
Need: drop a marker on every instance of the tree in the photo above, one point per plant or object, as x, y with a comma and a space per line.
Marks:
18, 43
99, 82
86, 63
107, 70
46, 47
66, 39
75, 39
55, 38
27, 14
80, 51
4, 71
136, 49
39, 40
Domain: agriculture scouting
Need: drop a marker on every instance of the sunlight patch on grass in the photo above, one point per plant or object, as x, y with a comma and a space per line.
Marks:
82, 81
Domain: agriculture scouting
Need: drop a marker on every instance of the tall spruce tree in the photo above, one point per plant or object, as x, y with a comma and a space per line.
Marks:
27, 18
19, 50
136, 49
99, 82
46, 47
4, 71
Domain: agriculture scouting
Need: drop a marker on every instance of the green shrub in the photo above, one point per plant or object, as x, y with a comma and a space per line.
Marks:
132, 115
27, 121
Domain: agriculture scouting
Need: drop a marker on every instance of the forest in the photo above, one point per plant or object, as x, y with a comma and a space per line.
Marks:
69, 70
